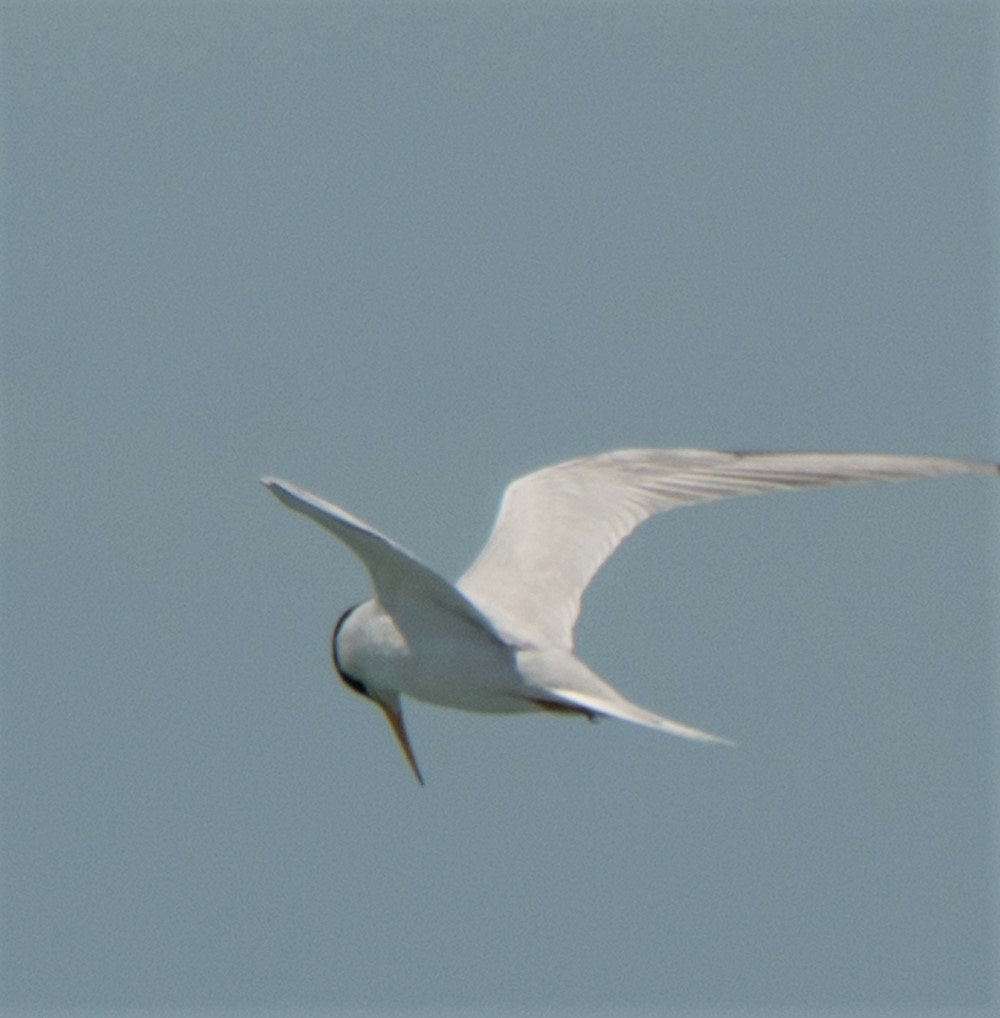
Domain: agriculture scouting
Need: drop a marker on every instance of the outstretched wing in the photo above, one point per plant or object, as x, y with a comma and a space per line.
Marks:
405, 587
557, 526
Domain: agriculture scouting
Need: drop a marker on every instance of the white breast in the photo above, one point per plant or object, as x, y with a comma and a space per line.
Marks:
457, 666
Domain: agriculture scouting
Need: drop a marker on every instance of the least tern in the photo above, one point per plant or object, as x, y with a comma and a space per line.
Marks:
500, 640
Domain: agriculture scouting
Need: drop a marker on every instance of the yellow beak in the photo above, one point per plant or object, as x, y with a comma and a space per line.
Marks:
393, 711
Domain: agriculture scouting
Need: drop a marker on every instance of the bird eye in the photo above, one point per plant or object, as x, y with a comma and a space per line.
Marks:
356, 684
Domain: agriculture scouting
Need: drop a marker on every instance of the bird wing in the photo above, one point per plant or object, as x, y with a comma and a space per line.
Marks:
558, 525
405, 587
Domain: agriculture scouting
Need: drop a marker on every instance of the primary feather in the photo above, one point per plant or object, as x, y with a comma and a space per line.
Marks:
557, 526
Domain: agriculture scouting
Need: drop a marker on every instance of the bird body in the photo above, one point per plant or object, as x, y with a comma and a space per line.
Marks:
500, 640
452, 664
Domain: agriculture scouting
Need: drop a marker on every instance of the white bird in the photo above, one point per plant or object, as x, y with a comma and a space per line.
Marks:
500, 640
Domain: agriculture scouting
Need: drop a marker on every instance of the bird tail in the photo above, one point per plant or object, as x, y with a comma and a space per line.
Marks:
625, 710
566, 680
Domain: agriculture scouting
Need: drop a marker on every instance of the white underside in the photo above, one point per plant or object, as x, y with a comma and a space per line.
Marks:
457, 664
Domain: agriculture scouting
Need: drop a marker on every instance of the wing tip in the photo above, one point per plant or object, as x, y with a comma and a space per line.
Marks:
276, 485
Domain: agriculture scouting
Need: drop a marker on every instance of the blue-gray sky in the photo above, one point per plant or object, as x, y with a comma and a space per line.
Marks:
400, 253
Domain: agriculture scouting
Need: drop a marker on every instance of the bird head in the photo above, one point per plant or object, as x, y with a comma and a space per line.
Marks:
388, 701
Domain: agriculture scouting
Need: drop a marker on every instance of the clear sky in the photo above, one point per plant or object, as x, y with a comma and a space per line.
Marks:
399, 254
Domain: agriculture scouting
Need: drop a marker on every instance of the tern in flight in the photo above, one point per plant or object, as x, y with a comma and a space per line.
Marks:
500, 640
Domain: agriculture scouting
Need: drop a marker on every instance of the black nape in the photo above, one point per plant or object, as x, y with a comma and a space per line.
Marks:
356, 684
